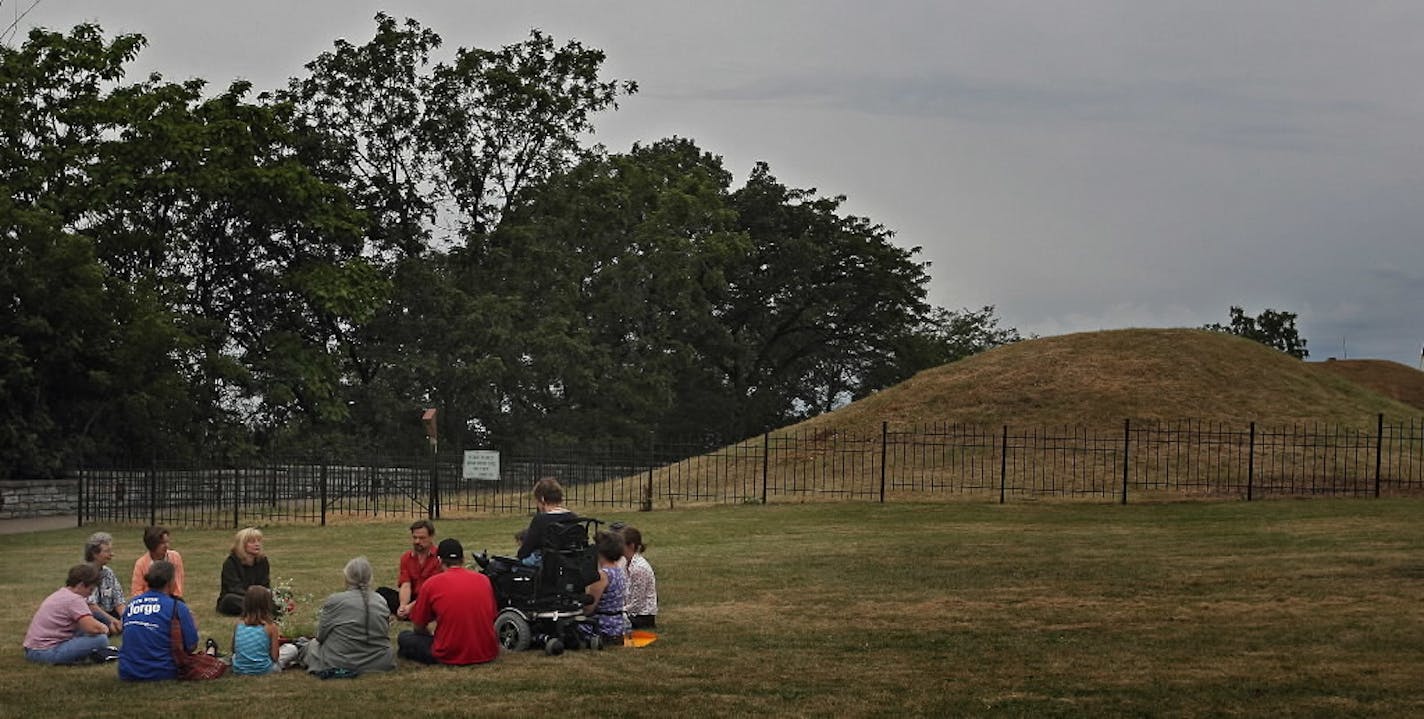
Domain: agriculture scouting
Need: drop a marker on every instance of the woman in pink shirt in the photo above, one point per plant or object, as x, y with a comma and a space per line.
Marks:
62, 630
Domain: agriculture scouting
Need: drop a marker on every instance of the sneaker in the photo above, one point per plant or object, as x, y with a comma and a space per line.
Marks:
210, 648
105, 654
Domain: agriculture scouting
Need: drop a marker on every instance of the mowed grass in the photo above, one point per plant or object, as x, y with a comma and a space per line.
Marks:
1282, 608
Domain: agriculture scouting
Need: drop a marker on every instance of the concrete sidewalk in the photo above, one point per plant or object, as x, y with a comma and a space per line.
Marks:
38, 524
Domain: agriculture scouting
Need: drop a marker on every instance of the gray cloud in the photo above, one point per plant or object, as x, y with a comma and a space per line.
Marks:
1191, 111
1084, 165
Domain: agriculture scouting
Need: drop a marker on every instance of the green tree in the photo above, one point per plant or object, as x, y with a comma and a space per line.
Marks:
808, 313
75, 346
663, 304
54, 328
1270, 328
503, 120
436, 155
209, 260
617, 256
387, 233
258, 260
361, 109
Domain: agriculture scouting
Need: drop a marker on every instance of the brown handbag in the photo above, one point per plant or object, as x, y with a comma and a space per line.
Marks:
192, 667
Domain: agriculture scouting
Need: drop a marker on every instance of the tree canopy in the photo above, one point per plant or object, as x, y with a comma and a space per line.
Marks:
188, 275
1270, 328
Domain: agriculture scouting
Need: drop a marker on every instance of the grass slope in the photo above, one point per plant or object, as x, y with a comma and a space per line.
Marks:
1391, 379
1096, 379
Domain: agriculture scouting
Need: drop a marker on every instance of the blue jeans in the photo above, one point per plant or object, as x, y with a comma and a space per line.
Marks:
71, 651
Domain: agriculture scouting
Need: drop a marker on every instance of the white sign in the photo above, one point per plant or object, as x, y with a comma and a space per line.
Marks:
482, 465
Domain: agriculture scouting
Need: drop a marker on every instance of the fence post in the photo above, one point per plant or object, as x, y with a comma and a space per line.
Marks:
1003, 463
1126, 449
1379, 451
321, 490
434, 509
884, 434
1251, 463
153, 492
646, 503
765, 462
237, 487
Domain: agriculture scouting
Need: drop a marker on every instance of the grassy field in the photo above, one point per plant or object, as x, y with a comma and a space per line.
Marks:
1284, 608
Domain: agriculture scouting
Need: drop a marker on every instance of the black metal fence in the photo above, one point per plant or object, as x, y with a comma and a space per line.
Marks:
1142, 460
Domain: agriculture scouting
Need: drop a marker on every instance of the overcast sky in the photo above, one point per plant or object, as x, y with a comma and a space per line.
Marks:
1080, 165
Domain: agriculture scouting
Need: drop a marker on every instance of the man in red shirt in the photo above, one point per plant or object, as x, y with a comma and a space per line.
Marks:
416, 566
461, 602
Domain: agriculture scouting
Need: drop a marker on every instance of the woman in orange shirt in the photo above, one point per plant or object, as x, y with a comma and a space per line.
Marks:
158, 542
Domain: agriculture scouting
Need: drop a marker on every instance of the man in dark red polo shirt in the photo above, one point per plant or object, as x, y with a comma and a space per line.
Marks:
461, 603
416, 566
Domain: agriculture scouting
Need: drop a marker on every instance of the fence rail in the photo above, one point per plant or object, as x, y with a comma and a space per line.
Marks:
1139, 460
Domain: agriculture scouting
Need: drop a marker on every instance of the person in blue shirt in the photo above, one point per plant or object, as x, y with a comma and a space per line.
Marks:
147, 653
257, 646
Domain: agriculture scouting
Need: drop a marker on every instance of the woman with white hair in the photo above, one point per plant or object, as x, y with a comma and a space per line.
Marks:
107, 600
353, 633
245, 566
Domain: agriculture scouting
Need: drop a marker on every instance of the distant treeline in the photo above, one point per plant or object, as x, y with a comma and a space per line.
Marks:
185, 274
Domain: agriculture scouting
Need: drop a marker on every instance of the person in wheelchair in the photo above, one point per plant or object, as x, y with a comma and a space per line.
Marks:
543, 604
549, 498
567, 566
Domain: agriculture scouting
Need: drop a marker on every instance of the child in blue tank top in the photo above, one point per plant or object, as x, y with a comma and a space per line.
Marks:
257, 640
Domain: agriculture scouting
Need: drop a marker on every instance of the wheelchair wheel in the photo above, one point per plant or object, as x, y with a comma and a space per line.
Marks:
513, 632
554, 647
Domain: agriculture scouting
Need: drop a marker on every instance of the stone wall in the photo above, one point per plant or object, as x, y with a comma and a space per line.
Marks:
24, 498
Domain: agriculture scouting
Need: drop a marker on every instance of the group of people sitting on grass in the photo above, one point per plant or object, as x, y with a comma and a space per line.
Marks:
160, 636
